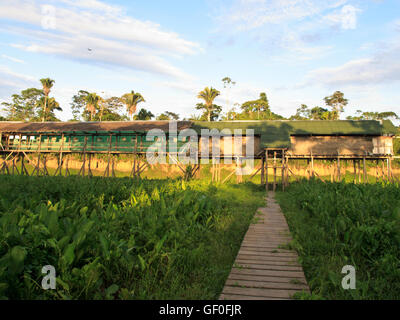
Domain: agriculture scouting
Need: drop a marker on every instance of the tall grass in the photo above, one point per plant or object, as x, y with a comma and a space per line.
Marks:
338, 224
115, 238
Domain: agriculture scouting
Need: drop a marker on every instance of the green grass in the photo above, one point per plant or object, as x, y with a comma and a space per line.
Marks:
338, 224
118, 238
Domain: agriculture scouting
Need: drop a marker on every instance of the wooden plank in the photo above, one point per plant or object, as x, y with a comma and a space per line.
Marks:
257, 292
270, 258
272, 273
249, 277
244, 262
267, 284
263, 266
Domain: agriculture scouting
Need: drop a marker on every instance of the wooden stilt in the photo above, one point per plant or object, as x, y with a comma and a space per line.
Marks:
266, 171
283, 170
67, 173
262, 170
113, 167
312, 166
364, 171
274, 185
23, 168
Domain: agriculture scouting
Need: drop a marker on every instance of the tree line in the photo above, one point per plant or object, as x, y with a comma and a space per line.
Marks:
36, 104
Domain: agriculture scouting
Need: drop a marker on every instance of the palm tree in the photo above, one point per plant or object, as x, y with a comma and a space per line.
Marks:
92, 103
47, 84
208, 95
337, 102
131, 100
52, 105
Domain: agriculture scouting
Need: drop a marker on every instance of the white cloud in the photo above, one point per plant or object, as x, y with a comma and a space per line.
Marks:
11, 81
295, 26
116, 39
251, 14
383, 67
13, 59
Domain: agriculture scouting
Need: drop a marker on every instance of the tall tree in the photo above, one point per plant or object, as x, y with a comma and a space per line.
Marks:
318, 113
111, 110
337, 102
228, 84
131, 100
258, 109
78, 105
52, 105
23, 106
92, 104
208, 95
47, 84
302, 113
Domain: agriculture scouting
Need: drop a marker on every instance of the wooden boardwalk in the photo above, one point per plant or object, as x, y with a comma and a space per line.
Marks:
262, 270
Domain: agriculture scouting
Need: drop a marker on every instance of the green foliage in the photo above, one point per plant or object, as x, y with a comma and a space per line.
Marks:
337, 102
368, 115
256, 110
120, 238
167, 115
24, 106
208, 95
131, 100
143, 114
338, 224
210, 113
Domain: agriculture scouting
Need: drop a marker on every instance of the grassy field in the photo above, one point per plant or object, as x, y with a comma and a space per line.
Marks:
338, 224
116, 238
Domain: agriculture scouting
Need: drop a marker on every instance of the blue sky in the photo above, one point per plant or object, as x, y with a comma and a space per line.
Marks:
297, 51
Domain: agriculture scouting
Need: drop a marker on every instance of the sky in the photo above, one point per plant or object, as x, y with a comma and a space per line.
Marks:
296, 51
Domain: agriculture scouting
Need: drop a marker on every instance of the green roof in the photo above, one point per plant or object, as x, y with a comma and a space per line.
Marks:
276, 133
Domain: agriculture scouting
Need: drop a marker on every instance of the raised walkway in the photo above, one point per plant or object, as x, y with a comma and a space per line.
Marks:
262, 270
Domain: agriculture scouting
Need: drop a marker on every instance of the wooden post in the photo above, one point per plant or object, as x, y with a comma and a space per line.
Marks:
274, 186
266, 171
312, 166
23, 168
287, 171
112, 166
383, 170
262, 170
364, 171
338, 169
67, 173
354, 171
60, 159
283, 170
308, 169
389, 170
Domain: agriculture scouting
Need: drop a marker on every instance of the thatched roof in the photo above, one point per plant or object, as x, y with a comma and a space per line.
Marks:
274, 133
104, 126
